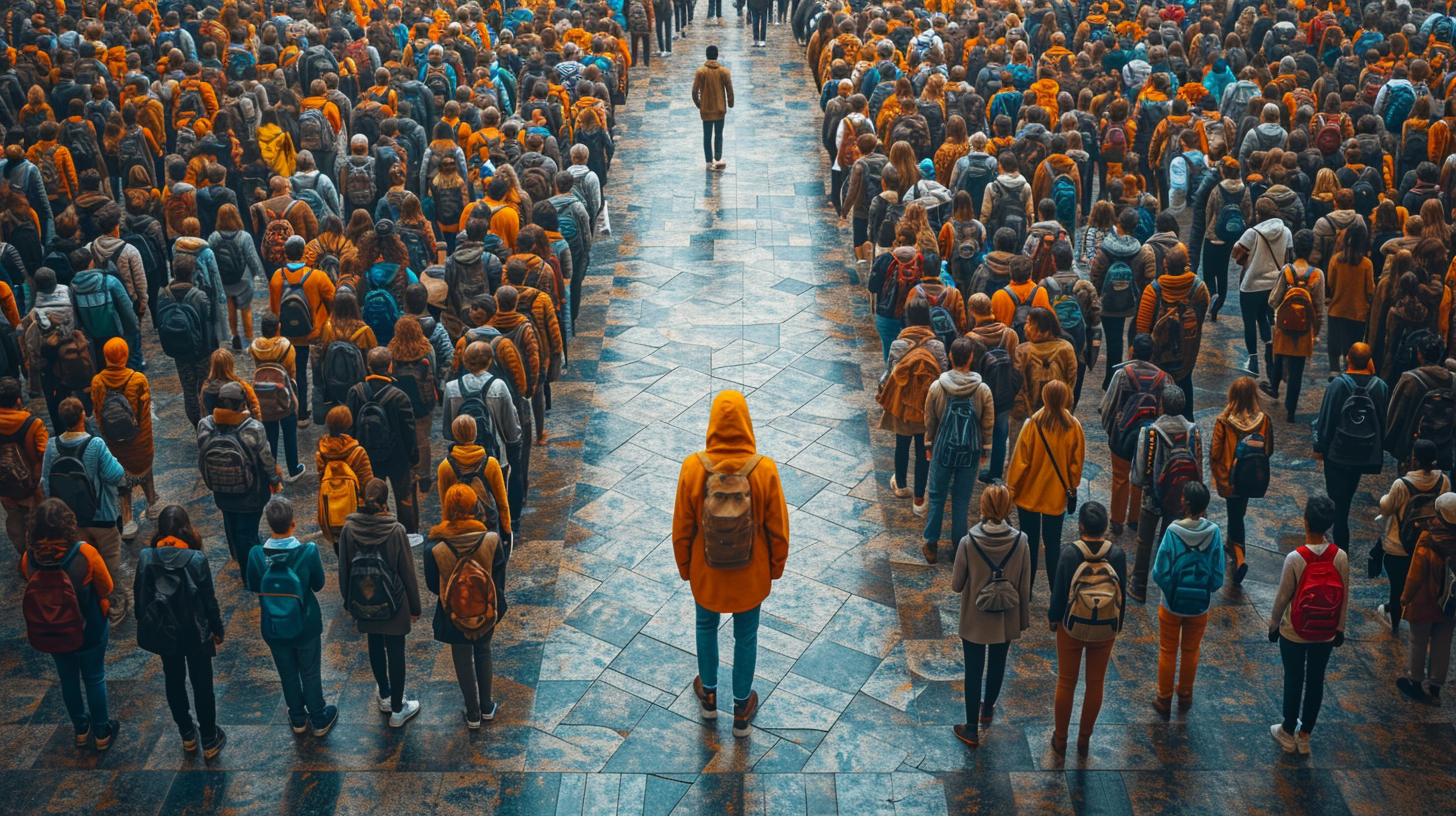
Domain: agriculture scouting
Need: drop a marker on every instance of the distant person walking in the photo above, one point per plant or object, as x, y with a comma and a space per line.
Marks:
713, 94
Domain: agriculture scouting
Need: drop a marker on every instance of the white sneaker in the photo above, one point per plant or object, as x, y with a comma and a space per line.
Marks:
918, 508
473, 725
384, 706
399, 718
1384, 615
130, 530
898, 491
1301, 742
1285, 739
488, 714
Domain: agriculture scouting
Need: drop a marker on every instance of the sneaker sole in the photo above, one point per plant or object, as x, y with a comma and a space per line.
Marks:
709, 713
742, 733
401, 723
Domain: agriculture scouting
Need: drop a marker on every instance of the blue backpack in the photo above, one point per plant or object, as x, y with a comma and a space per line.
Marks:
1064, 193
1189, 578
381, 309
280, 597
239, 60
1021, 76
1399, 100
958, 439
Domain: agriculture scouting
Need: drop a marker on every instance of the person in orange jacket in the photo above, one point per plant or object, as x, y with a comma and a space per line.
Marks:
30, 431
47, 151
742, 589
318, 291
132, 446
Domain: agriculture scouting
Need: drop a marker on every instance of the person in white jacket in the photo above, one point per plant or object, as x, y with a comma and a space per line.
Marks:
1262, 251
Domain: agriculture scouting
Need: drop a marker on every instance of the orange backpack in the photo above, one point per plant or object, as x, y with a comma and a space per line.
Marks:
468, 593
903, 388
277, 233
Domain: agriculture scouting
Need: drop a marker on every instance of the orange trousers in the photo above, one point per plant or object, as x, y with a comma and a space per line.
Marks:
1177, 634
1127, 497
1069, 665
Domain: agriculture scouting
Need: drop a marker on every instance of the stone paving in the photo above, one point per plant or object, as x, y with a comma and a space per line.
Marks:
743, 280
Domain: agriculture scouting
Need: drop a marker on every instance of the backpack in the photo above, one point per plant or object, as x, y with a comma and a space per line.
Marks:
342, 369
51, 606
1009, 212
50, 176
998, 594
1357, 435
276, 234
637, 17
1174, 328
1435, 419
179, 327
19, 473
313, 199
1114, 142
295, 315
239, 60
1249, 473
958, 438
1294, 315
71, 351
1329, 136
338, 496
1399, 99
468, 595
486, 508
375, 592
1189, 578
78, 138
280, 597
727, 522
1183, 172
169, 613
419, 253
1446, 597
1119, 294
94, 303
980, 171
899, 278
230, 267
358, 182
941, 321
1314, 613
1140, 410
1229, 224
438, 81
70, 482
416, 378
1414, 147
1074, 323
1064, 193
1094, 599
1023, 309
1420, 511
274, 389
312, 127
226, 467
373, 428
903, 387
117, 416
133, 151
1173, 466
1043, 261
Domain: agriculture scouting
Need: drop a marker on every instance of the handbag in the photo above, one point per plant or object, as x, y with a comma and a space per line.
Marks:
1070, 491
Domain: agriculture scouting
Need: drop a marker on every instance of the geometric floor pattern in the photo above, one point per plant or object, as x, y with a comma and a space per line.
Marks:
742, 280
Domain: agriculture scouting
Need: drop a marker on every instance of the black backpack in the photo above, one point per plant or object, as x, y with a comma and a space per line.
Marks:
342, 369
170, 617
1357, 434
230, 267
473, 405
118, 416
180, 326
71, 483
372, 427
226, 467
416, 378
375, 592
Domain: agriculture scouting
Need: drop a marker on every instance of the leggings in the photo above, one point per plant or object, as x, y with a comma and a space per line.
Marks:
1290, 369
1254, 306
473, 669
386, 658
1069, 665
977, 666
1215, 272
1343, 333
1237, 508
1304, 682
1114, 344
1044, 529
922, 465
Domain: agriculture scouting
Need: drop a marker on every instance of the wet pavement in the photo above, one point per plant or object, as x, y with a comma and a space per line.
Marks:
739, 279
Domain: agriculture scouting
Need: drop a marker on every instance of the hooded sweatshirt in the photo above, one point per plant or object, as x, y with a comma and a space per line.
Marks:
954, 385
1395, 503
1126, 249
1426, 579
467, 458
381, 532
1265, 136
1187, 288
129, 267
135, 454
1198, 534
996, 539
1228, 429
33, 446
1291, 209
276, 147
730, 444
1268, 243
1006, 185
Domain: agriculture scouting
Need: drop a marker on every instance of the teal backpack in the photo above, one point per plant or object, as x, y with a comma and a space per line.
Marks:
280, 596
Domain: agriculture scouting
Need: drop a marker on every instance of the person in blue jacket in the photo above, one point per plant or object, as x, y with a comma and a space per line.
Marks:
1188, 568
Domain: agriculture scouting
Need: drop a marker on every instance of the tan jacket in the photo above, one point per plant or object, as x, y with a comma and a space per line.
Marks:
712, 91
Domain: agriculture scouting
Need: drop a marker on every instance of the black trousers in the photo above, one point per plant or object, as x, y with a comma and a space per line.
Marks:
1237, 509
401, 477
642, 56
386, 658
1114, 344
1043, 529
1304, 682
664, 36
176, 670
1341, 483
300, 351
1151, 527
977, 665
713, 140
1397, 569
1288, 368
1254, 306
1344, 333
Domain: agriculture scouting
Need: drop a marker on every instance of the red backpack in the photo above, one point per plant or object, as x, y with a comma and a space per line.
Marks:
53, 618
900, 278
1315, 611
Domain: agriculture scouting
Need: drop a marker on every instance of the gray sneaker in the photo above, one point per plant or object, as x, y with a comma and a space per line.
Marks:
404, 715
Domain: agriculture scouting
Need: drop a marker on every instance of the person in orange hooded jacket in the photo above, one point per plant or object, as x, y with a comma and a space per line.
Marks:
16, 421
739, 591
134, 452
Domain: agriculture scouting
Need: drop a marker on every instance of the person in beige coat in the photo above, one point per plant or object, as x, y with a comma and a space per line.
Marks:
713, 94
992, 543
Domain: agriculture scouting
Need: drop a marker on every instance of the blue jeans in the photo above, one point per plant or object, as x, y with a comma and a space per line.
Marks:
712, 139
959, 483
888, 328
745, 650
134, 349
998, 443
241, 530
289, 426
759, 19
86, 671
299, 672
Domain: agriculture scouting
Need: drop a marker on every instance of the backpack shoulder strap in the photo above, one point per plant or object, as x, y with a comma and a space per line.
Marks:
707, 463
750, 464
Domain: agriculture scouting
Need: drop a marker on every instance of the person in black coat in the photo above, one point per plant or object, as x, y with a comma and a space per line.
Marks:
384, 423
174, 560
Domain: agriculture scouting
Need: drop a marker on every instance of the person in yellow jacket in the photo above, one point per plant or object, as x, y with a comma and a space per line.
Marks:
126, 428
1045, 469
270, 348
463, 465
276, 146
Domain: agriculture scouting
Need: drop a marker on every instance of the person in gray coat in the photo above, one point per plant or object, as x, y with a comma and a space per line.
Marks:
992, 545
371, 532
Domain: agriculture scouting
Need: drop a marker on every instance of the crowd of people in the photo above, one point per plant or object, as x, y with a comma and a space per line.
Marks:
415, 189
1034, 187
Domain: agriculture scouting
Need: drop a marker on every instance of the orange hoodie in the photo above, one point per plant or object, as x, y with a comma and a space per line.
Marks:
11, 420
529, 346
730, 445
467, 457
135, 455
318, 290
1056, 164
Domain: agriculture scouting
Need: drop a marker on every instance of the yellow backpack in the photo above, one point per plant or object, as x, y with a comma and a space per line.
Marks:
338, 497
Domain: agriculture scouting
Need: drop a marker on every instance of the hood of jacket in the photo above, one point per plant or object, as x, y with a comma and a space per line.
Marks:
1270, 133
1059, 164
904, 254
1011, 184
269, 349
1121, 245
372, 530
109, 244
1270, 229
1177, 287
507, 321
467, 456
959, 383
1245, 422
995, 539
1199, 536
336, 447
11, 419
281, 544
1000, 263
224, 416
730, 429
1281, 195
